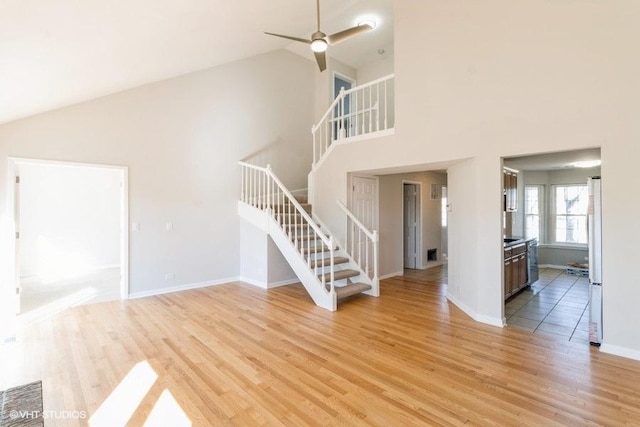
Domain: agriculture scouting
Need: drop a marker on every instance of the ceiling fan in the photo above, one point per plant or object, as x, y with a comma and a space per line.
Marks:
319, 41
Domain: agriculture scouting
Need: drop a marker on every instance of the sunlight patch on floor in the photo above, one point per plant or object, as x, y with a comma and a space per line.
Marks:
124, 400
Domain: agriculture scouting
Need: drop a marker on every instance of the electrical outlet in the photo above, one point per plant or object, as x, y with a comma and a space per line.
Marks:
586, 258
169, 276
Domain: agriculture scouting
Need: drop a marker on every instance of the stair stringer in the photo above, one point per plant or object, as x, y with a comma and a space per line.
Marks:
311, 283
314, 287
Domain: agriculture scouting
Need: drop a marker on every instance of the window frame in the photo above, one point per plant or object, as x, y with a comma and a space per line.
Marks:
553, 216
542, 231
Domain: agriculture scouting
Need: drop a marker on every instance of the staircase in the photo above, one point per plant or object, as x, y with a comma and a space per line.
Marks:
329, 272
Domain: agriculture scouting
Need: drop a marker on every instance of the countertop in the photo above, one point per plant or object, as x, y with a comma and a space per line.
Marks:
517, 241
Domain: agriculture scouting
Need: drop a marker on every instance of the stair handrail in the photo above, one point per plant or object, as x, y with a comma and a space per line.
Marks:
327, 240
372, 235
319, 152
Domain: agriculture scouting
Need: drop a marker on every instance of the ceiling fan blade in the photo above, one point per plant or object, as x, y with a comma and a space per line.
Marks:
321, 59
347, 34
296, 39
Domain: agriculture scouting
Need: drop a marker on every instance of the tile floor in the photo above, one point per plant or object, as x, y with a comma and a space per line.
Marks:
557, 304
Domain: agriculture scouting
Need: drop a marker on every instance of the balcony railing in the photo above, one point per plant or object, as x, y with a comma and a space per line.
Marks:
363, 110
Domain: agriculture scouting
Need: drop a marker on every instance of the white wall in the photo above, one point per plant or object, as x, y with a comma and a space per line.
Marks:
502, 78
182, 139
383, 66
261, 262
69, 219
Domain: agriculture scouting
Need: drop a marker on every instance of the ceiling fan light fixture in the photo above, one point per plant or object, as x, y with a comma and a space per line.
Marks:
319, 45
367, 20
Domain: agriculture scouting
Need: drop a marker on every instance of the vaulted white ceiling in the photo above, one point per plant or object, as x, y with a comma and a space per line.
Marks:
55, 53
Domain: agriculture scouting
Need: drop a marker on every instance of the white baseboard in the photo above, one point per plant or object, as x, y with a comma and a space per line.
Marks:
620, 351
388, 276
554, 266
187, 287
282, 283
431, 264
265, 285
493, 321
190, 286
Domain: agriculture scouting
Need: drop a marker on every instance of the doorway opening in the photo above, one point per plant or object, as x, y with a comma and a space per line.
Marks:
426, 213
342, 111
546, 249
71, 235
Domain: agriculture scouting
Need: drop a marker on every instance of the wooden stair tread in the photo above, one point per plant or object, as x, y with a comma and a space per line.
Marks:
285, 208
316, 249
326, 261
339, 275
351, 289
304, 237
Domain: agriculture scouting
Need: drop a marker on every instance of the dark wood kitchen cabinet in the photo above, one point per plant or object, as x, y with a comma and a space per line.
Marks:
508, 271
516, 271
510, 194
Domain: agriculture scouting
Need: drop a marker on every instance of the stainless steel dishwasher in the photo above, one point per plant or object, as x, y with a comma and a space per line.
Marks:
532, 260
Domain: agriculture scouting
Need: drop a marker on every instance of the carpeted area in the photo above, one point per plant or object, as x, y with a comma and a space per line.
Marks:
22, 406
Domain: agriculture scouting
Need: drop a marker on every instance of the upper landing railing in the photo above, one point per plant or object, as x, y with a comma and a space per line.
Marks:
362, 110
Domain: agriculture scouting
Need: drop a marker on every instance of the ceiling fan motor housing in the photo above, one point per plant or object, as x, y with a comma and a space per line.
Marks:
319, 42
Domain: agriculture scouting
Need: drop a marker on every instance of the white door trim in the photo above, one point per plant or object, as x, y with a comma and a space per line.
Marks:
14, 162
418, 184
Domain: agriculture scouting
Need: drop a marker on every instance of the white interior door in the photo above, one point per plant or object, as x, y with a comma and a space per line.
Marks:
364, 205
363, 201
410, 221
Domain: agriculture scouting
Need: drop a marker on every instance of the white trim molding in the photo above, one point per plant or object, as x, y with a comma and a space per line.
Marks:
186, 287
267, 285
488, 320
620, 351
390, 275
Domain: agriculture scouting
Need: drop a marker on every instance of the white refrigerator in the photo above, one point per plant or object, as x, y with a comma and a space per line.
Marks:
594, 215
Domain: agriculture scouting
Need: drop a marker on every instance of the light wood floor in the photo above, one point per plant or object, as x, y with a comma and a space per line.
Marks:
237, 355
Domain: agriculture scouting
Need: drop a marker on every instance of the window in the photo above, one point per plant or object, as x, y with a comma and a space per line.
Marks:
533, 197
570, 213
